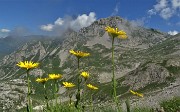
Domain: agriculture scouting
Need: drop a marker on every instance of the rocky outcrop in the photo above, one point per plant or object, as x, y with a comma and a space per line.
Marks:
145, 75
12, 95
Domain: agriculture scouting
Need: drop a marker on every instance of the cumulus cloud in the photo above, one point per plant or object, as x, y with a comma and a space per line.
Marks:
161, 5
83, 21
166, 13
4, 30
165, 8
173, 32
48, 27
59, 21
62, 24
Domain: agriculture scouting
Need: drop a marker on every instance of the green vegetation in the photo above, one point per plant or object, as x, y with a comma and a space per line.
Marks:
153, 86
172, 105
173, 69
143, 109
170, 79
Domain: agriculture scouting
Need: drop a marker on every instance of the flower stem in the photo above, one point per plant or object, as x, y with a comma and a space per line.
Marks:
78, 93
91, 103
56, 91
70, 99
45, 96
113, 78
127, 105
78, 77
29, 108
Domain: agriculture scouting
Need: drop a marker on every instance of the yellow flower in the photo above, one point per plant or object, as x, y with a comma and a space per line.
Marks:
42, 80
92, 87
27, 64
55, 76
136, 93
68, 85
79, 54
114, 32
85, 75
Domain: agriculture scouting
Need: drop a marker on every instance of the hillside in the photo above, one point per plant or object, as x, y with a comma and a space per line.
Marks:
148, 60
12, 43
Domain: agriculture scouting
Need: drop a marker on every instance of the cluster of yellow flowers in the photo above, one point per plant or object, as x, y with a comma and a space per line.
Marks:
84, 74
51, 76
113, 32
29, 65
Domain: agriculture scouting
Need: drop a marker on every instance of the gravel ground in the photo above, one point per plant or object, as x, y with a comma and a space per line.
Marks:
152, 99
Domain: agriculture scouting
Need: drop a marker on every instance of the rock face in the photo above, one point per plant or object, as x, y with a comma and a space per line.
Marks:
148, 74
12, 95
147, 57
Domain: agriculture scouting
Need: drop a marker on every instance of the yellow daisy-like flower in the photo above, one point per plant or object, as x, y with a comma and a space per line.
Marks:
136, 93
55, 76
42, 80
85, 75
68, 84
27, 64
92, 87
79, 54
114, 32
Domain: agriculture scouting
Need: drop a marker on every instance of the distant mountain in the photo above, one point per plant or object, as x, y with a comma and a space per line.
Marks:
148, 60
12, 43
7, 45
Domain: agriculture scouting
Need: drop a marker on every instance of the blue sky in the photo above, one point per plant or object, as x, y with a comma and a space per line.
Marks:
53, 16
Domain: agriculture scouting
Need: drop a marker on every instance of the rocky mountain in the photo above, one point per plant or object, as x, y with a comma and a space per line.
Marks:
148, 60
8, 45
12, 43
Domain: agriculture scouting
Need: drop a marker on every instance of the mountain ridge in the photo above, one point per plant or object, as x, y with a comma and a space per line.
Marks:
147, 55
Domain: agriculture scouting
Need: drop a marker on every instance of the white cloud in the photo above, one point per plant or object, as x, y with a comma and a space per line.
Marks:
48, 27
4, 30
165, 8
176, 4
161, 5
59, 21
62, 24
173, 32
166, 13
151, 12
83, 21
